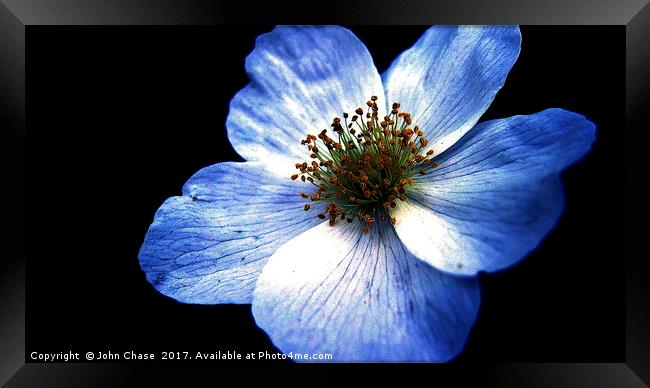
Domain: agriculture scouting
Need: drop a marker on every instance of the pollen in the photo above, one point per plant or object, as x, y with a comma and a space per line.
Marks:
364, 167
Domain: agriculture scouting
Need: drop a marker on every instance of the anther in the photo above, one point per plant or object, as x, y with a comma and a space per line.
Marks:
369, 166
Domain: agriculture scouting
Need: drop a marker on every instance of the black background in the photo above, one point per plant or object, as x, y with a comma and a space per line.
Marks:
119, 118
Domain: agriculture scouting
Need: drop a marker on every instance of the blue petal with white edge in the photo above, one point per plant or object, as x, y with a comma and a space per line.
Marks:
301, 78
496, 193
209, 245
362, 297
450, 77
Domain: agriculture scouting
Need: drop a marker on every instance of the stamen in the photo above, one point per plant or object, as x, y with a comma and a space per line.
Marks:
365, 166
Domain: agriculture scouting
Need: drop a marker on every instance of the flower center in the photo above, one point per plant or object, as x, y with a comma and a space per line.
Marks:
366, 166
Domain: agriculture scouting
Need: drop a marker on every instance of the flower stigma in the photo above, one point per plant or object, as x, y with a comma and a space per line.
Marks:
366, 166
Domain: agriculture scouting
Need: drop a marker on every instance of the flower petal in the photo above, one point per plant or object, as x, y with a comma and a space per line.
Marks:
362, 298
209, 245
450, 77
496, 193
301, 78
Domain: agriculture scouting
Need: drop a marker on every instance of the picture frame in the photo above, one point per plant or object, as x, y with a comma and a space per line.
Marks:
16, 17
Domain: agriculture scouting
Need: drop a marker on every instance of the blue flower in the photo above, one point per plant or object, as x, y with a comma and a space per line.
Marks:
371, 255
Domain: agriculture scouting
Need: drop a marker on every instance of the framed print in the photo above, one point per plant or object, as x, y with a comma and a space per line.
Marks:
454, 193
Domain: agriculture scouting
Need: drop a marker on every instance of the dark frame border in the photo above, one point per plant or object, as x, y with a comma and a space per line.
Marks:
17, 15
